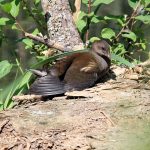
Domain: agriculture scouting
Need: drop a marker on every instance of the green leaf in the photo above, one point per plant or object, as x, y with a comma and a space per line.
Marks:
82, 14
97, 19
98, 2
6, 7
25, 79
130, 35
107, 33
133, 3
94, 39
147, 2
120, 19
5, 68
81, 24
3, 21
35, 32
37, 1
14, 27
145, 19
121, 60
28, 42
1, 106
85, 1
119, 49
15, 8
147, 9
15, 88
143, 45
91, 14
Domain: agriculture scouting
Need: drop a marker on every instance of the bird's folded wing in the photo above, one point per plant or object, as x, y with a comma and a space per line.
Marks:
80, 75
46, 86
84, 72
91, 67
62, 65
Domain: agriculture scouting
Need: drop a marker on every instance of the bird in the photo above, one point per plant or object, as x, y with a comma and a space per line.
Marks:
77, 71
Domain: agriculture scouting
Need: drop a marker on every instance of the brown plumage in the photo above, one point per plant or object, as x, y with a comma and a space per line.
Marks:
74, 72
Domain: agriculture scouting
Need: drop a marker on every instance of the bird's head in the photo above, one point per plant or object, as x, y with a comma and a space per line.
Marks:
102, 48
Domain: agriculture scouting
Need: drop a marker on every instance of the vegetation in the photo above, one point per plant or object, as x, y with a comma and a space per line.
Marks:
124, 32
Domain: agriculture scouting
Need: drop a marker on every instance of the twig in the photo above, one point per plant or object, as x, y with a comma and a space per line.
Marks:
33, 16
89, 11
129, 56
36, 38
89, 7
3, 125
46, 42
50, 44
108, 118
132, 16
19, 25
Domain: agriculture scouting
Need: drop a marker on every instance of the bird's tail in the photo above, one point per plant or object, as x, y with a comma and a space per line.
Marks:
47, 86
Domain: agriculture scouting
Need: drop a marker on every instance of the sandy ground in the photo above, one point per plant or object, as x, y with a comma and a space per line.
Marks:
111, 116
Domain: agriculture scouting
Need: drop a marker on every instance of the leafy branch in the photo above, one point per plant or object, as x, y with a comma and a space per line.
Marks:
39, 24
40, 39
133, 15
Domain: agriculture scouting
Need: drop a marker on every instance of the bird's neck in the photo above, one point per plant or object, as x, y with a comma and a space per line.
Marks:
107, 59
98, 57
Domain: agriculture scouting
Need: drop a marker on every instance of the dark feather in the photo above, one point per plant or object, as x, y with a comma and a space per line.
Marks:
47, 85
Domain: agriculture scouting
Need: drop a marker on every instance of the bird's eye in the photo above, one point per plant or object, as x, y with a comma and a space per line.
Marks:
103, 48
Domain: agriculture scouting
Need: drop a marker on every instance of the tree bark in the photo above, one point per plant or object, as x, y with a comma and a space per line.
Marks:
60, 24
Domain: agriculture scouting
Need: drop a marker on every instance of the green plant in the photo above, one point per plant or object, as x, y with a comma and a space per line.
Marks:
126, 36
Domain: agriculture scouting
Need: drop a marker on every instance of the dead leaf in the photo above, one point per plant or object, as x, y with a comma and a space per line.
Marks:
48, 52
132, 76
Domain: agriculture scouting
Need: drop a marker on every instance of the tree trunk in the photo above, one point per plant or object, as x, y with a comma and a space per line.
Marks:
60, 24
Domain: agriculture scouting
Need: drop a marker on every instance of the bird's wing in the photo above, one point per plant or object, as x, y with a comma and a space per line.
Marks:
90, 67
82, 73
46, 86
51, 84
99, 64
79, 81
62, 65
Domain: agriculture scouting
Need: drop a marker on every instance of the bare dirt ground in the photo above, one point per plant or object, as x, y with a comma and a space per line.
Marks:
114, 115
